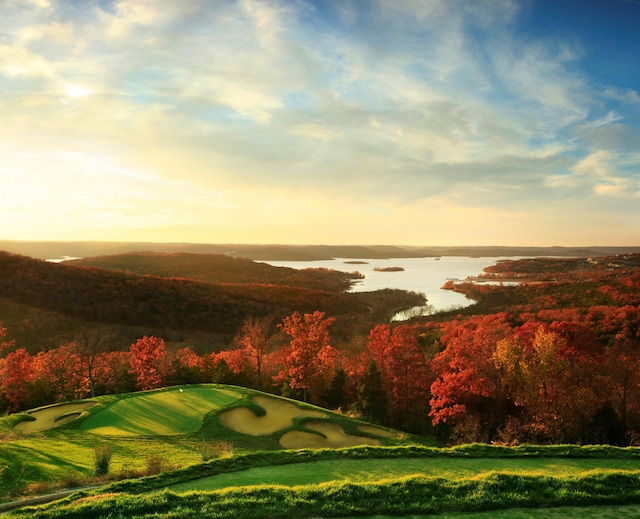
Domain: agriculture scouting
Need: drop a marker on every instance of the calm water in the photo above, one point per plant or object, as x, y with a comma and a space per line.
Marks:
424, 275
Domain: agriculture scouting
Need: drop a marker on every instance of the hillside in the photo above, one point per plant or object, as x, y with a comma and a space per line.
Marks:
286, 252
179, 426
199, 298
107, 296
219, 268
225, 451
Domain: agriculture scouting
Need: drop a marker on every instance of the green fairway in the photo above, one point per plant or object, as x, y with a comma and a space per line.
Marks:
362, 470
170, 412
562, 512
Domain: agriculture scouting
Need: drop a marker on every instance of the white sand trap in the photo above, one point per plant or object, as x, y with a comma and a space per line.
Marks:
335, 437
377, 431
52, 416
279, 415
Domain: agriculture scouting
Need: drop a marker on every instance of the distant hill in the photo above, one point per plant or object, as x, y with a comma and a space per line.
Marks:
109, 296
275, 252
218, 268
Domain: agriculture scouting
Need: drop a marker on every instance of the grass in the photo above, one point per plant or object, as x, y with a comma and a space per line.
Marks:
252, 476
411, 495
169, 412
177, 428
561, 512
368, 470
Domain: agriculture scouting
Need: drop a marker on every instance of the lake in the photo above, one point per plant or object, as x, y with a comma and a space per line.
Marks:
424, 275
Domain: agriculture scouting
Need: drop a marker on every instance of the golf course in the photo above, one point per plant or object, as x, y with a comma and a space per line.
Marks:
219, 451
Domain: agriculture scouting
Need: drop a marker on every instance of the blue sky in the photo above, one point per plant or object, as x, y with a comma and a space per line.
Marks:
442, 122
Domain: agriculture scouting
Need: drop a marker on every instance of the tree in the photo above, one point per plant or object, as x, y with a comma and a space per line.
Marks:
551, 383
309, 359
58, 373
16, 378
337, 395
147, 359
113, 374
405, 373
254, 337
6, 344
88, 346
372, 398
468, 382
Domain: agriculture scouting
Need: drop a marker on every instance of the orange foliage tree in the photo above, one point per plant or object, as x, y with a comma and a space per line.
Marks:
309, 359
147, 358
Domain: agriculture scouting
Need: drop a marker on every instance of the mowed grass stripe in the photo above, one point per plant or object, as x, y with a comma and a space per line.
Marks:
167, 412
562, 512
367, 470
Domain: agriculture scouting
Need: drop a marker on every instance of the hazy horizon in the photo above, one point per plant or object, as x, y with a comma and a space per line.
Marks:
457, 123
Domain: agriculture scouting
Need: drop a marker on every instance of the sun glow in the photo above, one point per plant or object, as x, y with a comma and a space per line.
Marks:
75, 90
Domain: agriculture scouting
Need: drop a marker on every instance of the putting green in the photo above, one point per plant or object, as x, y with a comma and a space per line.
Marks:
52, 416
165, 412
333, 436
279, 415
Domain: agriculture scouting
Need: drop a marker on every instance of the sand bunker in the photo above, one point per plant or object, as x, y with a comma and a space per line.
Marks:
52, 416
335, 437
377, 431
279, 415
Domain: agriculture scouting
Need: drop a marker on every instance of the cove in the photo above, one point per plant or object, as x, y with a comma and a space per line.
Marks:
423, 275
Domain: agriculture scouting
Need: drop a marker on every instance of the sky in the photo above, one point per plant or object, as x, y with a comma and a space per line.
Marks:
406, 122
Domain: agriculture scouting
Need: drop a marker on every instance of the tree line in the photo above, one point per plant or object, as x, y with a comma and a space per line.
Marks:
551, 377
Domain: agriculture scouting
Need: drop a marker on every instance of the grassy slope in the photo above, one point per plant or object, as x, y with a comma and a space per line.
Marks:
66, 454
372, 469
422, 478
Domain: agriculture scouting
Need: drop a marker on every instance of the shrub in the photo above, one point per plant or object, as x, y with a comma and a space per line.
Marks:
213, 450
102, 459
155, 465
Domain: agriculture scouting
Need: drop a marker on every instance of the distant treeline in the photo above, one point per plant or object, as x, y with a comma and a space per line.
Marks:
83, 249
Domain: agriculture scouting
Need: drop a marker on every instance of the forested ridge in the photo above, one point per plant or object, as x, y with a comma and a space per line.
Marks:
109, 296
220, 268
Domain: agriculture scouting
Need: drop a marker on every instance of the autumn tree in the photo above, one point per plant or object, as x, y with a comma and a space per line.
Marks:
87, 347
4, 345
468, 384
59, 375
15, 380
549, 382
255, 338
114, 374
147, 359
309, 359
187, 367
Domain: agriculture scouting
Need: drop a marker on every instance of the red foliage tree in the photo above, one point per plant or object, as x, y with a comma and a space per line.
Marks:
16, 378
309, 359
468, 382
255, 338
6, 344
147, 358
59, 372
113, 372
405, 372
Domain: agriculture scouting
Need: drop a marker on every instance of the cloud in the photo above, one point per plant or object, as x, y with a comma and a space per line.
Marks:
388, 106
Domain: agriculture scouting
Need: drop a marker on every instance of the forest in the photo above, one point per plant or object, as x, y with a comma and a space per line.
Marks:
554, 358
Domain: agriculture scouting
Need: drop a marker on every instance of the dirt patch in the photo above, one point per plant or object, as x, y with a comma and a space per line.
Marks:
334, 437
52, 416
279, 415
377, 431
